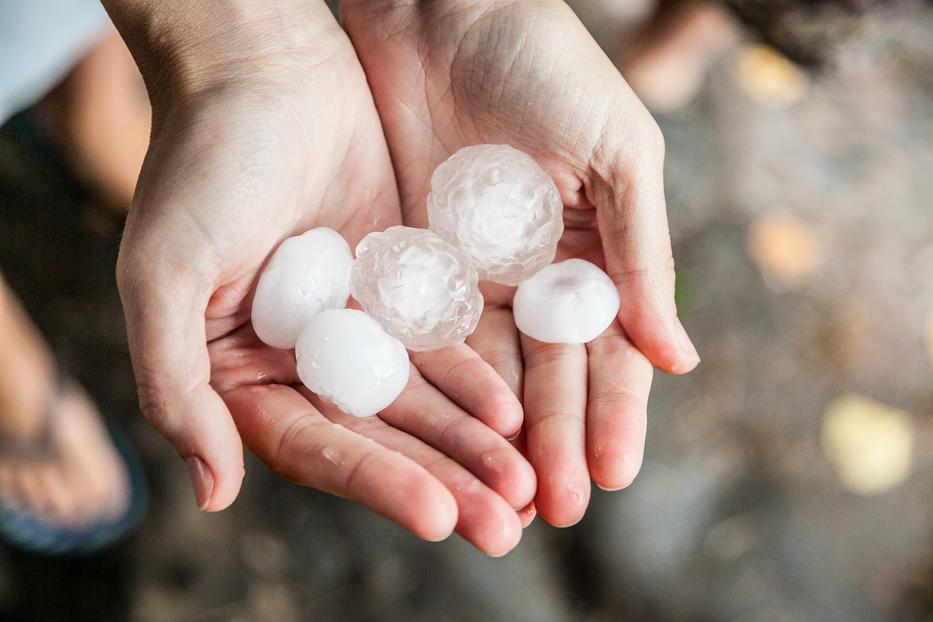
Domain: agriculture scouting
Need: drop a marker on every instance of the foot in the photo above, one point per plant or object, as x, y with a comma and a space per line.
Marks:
57, 461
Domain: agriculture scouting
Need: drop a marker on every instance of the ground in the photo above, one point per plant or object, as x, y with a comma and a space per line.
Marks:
802, 215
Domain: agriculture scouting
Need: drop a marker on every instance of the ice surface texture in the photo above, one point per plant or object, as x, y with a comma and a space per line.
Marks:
307, 274
499, 207
347, 359
571, 301
422, 290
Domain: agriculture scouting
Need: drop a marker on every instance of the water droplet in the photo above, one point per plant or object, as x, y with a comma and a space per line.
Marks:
576, 497
332, 455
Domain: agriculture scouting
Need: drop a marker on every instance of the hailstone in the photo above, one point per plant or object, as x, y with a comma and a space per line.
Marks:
306, 275
571, 301
423, 291
346, 358
500, 208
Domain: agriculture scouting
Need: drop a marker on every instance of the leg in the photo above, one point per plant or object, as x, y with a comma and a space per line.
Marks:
82, 478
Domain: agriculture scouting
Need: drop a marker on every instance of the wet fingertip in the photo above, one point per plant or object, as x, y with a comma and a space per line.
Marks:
214, 490
561, 517
612, 474
510, 536
563, 503
687, 357
439, 523
525, 485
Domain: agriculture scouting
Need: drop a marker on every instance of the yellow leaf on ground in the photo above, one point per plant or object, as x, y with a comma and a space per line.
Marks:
869, 444
785, 249
769, 77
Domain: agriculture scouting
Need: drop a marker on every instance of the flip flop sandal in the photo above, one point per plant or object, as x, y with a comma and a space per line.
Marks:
31, 532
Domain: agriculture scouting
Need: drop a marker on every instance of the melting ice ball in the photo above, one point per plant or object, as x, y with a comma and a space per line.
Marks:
571, 301
347, 359
421, 289
307, 274
500, 208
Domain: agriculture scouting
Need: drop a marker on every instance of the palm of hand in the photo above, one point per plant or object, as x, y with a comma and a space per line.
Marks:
229, 175
531, 77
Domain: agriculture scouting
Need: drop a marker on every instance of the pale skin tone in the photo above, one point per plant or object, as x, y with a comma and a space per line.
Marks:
446, 74
264, 126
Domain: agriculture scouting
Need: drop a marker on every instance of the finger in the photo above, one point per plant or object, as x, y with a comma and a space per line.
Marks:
484, 518
632, 218
616, 412
167, 341
555, 407
496, 341
527, 515
422, 411
240, 358
470, 382
284, 430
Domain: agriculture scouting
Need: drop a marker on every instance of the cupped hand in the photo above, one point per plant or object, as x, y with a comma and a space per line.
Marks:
244, 154
451, 73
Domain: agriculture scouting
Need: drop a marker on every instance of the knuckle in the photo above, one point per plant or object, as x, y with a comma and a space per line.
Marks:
652, 138
612, 347
556, 355
154, 405
552, 418
357, 473
617, 402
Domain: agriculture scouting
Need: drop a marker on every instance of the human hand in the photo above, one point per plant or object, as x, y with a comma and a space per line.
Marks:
451, 73
264, 127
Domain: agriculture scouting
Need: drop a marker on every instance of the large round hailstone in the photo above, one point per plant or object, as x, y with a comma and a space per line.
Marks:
346, 358
499, 207
571, 301
423, 291
307, 274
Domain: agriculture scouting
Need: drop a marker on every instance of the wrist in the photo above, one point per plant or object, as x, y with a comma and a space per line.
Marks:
186, 47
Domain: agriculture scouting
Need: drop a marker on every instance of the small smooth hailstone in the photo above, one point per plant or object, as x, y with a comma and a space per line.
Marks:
500, 208
423, 291
571, 301
346, 358
307, 274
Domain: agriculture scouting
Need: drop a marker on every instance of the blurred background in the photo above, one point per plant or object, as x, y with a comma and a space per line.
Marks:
787, 478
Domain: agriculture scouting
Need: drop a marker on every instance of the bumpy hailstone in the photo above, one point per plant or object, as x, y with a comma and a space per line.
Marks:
421, 289
346, 358
571, 301
500, 208
307, 274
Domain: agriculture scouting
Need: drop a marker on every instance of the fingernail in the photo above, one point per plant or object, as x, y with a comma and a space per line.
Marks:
686, 345
201, 480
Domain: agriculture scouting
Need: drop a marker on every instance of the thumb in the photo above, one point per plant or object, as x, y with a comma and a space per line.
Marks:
629, 196
167, 341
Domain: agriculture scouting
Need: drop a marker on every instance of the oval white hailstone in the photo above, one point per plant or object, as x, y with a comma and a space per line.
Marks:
346, 358
571, 301
307, 274
423, 291
499, 207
